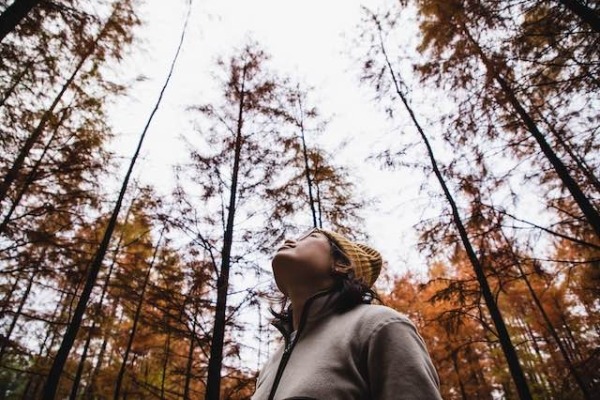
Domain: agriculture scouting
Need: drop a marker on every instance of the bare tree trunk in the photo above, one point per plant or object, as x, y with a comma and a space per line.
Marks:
319, 206
98, 309
311, 200
12, 16
213, 384
508, 348
587, 15
72, 329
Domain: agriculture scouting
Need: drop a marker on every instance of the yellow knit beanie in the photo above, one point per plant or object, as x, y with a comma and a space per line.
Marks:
366, 261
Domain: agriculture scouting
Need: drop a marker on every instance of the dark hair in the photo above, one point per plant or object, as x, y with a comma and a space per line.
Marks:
353, 291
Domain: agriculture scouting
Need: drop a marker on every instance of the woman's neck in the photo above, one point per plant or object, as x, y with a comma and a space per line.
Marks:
298, 298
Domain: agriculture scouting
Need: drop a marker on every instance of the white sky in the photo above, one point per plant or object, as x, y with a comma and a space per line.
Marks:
307, 39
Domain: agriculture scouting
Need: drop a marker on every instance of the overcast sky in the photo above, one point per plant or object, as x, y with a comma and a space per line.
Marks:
308, 40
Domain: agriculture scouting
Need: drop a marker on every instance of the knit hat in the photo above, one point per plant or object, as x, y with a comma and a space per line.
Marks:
366, 261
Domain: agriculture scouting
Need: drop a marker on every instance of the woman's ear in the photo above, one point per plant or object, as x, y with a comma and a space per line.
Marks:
341, 269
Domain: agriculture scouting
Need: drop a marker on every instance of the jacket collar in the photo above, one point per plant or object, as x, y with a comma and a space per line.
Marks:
317, 306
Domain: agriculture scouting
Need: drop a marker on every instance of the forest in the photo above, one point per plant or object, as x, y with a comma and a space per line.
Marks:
112, 286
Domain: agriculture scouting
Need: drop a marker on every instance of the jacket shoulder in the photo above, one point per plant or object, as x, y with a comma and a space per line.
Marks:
371, 317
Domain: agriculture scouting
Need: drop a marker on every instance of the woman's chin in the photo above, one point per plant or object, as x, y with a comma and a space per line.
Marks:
280, 256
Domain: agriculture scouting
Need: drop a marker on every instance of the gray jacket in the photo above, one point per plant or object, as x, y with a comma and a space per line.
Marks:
369, 352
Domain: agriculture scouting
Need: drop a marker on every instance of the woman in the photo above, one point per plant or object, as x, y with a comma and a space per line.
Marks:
337, 344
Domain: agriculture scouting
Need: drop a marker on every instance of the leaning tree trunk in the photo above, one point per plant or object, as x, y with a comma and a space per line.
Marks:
587, 15
588, 210
213, 383
14, 14
73, 327
98, 310
505, 341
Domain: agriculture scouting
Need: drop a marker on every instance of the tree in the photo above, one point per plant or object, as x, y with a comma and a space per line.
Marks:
587, 14
13, 14
73, 327
502, 332
249, 172
136, 317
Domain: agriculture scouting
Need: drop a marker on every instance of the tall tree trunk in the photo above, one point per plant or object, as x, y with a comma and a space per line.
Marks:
311, 200
213, 383
319, 206
588, 210
12, 16
136, 317
98, 309
72, 329
508, 348
587, 15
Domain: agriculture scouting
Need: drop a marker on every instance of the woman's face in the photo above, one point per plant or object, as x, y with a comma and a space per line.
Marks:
305, 261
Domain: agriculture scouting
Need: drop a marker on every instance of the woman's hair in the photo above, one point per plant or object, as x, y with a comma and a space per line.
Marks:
353, 291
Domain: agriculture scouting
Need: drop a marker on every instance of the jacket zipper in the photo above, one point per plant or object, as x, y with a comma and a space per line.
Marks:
290, 346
